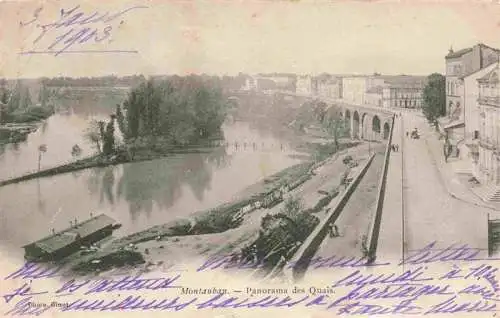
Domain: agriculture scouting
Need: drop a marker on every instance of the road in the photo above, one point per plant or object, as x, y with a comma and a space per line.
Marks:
427, 212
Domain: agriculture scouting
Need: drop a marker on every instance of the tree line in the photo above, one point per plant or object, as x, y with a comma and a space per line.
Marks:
177, 111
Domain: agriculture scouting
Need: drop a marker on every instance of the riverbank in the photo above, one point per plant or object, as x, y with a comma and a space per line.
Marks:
100, 161
235, 220
13, 132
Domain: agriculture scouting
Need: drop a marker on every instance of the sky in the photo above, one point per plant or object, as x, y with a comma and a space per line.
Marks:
227, 37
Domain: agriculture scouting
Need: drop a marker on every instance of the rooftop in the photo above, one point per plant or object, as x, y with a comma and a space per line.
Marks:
61, 239
459, 53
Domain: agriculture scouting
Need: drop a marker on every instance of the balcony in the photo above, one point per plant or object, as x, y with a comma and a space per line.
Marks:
488, 143
489, 100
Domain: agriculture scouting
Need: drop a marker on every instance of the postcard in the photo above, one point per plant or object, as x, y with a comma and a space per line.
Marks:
249, 158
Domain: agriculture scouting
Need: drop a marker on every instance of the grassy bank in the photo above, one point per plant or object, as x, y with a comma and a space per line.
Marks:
13, 133
99, 161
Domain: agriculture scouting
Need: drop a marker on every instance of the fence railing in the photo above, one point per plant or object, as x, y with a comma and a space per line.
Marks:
377, 215
303, 256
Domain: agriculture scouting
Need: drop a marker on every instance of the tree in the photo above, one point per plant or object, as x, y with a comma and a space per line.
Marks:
335, 125
108, 137
94, 133
26, 99
180, 110
41, 149
434, 98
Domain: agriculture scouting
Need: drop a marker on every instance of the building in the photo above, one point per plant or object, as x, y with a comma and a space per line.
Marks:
488, 159
306, 85
472, 117
354, 89
387, 91
460, 64
374, 96
251, 84
403, 91
461, 124
68, 241
329, 87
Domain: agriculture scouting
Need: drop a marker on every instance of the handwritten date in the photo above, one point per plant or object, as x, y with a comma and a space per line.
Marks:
73, 28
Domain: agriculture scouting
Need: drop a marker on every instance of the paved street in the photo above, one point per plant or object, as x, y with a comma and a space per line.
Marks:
430, 213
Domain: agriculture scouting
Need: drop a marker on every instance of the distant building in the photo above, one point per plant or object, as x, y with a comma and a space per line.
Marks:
251, 84
403, 91
306, 85
374, 96
329, 87
354, 89
261, 83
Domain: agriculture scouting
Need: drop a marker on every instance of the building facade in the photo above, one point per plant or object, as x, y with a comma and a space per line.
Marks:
460, 64
306, 85
403, 96
488, 160
399, 91
354, 89
251, 84
472, 114
374, 96
329, 87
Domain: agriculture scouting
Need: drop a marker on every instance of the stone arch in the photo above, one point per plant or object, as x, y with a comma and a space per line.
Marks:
347, 121
365, 123
376, 127
355, 125
387, 130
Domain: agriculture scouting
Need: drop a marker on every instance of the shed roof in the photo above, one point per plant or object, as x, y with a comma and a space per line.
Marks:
490, 77
61, 239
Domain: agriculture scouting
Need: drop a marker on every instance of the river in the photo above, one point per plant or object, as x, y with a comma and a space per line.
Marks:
138, 195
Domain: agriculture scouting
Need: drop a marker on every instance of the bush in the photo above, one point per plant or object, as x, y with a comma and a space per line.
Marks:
280, 234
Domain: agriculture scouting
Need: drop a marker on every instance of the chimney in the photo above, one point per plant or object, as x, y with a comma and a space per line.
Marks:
477, 58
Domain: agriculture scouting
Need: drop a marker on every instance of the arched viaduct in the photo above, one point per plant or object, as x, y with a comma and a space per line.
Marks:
364, 123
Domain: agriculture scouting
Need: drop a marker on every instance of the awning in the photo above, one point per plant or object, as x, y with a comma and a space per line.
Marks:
455, 124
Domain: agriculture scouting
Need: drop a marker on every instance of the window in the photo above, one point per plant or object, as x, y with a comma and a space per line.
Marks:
476, 134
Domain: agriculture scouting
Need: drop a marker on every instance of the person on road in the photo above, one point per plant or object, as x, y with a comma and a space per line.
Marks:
333, 230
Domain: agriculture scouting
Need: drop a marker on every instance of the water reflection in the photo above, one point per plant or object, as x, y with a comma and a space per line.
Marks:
158, 182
